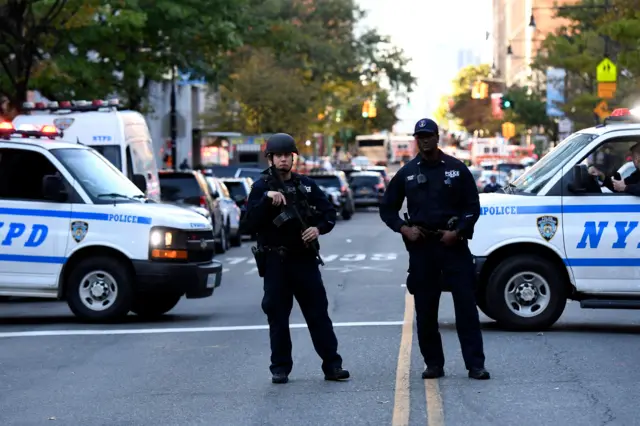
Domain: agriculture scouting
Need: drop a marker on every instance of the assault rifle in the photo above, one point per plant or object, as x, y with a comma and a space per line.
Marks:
292, 206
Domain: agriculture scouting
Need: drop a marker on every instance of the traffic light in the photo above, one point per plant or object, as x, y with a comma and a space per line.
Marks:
365, 109
369, 109
508, 130
506, 102
480, 90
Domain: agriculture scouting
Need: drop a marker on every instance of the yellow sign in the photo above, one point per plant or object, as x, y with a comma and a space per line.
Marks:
602, 110
480, 90
606, 71
508, 130
607, 90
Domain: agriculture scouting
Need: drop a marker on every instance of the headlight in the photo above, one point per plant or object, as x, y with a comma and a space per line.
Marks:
167, 244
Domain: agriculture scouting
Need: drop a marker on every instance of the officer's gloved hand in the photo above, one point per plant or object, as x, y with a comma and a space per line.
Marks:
276, 198
412, 233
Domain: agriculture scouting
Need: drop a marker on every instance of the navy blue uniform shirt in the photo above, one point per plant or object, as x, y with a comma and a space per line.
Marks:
449, 190
632, 183
261, 212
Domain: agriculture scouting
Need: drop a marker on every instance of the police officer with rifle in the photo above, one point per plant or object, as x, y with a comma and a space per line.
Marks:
443, 207
288, 211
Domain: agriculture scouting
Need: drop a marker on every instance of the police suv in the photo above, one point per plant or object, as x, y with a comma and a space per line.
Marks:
73, 227
557, 233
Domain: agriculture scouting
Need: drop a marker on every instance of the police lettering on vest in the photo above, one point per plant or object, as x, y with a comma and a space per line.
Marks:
13, 234
593, 233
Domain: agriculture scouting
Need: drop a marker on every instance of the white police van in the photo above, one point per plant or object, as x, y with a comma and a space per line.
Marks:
121, 136
73, 227
556, 233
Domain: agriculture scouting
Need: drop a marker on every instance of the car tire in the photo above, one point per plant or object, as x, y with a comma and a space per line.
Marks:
223, 245
526, 292
346, 214
100, 289
152, 305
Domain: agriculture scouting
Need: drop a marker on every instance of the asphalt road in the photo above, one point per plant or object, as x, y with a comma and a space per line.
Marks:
207, 362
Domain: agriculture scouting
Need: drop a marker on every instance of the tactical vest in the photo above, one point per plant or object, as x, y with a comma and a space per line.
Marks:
299, 193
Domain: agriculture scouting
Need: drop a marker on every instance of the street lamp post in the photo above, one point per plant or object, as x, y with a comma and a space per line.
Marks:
173, 121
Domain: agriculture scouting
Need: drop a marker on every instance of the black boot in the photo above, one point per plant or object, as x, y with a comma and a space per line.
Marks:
479, 374
433, 373
336, 374
279, 378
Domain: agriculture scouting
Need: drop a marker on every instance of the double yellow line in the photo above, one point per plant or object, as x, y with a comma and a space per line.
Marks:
402, 400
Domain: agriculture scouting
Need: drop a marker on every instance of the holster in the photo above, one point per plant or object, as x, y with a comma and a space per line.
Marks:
260, 256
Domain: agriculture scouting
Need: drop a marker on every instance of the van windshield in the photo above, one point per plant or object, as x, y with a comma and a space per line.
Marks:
111, 153
102, 182
534, 179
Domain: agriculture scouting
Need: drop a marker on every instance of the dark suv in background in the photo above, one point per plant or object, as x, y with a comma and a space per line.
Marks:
368, 188
335, 185
188, 189
239, 189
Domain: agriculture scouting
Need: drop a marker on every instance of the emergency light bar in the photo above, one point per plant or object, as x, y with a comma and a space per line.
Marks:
623, 115
7, 130
95, 105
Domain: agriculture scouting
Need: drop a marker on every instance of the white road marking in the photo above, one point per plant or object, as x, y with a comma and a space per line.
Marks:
349, 257
225, 270
353, 257
233, 260
49, 333
329, 257
251, 271
353, 268
403, 285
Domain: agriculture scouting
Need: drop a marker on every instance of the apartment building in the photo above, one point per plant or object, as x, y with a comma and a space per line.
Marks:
515, 41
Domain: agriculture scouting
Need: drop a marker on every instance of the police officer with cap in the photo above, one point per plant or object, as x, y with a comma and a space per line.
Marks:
290, 265
443, 207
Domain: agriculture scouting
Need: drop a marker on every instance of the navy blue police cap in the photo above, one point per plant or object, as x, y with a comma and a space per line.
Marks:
426, 125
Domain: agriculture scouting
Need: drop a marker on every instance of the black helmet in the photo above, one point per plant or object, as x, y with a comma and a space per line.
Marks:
281, 143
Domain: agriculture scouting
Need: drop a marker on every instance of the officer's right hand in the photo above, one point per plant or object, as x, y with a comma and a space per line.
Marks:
276, 198
412, 233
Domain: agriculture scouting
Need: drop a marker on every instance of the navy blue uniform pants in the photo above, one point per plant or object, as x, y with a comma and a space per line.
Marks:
429, 263
284, 279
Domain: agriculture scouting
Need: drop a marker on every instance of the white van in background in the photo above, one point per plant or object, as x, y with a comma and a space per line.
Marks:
121, 136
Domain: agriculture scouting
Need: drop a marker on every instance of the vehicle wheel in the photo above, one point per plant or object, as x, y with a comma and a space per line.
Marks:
100, 289
346, 214
481, 303
152, 305
236, 241
223, 245
526, 293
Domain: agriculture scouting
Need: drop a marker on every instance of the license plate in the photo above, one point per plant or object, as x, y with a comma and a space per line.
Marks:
364, 191
211, 280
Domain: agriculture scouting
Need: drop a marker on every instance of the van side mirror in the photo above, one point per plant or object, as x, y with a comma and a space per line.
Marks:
141, 182
53, 188
580, 178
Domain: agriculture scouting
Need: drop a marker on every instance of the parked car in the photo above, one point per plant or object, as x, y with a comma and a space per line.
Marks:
190, 188
239, 189
230, 210
382, 170
368, 188
337, 180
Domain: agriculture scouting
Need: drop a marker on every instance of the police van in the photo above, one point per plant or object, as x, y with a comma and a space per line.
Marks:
556, 233
121, 136
73, 227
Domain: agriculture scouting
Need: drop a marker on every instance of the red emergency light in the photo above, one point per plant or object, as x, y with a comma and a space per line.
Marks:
623, 115
7, 130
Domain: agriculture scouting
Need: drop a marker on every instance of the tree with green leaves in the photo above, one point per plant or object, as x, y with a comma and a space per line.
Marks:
529, 110
473, 114
579, 46
317, 39
118, 47
31, 34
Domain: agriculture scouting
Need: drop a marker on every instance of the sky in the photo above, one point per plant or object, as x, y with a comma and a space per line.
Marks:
431, 33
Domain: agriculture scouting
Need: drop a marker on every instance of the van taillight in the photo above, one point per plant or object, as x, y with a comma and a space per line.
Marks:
380, 186
203, 201
343, 189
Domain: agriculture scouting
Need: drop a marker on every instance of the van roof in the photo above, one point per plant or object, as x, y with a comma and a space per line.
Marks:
90, 127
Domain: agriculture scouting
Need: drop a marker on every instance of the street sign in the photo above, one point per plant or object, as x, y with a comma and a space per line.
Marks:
602, 110
607, 90
508, 130
606, 71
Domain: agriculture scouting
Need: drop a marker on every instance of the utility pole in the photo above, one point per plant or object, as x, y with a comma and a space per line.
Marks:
173, 121
606, 38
